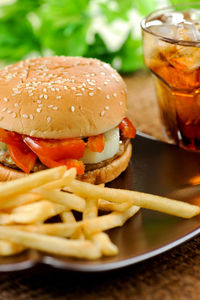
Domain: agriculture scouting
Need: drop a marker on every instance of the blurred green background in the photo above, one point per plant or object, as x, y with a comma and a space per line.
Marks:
105, 29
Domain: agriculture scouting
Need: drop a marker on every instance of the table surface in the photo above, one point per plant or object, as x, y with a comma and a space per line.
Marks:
173, 275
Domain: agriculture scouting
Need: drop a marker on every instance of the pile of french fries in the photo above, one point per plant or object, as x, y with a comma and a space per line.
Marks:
28, 204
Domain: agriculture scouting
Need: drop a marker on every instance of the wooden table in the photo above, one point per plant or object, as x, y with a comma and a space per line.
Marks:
173, 275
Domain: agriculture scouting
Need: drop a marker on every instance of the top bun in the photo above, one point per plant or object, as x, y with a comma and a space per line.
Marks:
61, 97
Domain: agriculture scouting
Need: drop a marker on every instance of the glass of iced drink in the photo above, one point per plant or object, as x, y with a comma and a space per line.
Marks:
171, 43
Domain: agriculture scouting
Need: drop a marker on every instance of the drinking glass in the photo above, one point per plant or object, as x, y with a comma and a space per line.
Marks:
171, 43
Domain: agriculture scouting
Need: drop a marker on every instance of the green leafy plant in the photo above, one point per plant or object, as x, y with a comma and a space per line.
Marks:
105, 29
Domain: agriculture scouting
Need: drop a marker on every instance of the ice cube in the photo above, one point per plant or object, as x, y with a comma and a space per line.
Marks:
188, 31
192, 15
165, 30
172, 18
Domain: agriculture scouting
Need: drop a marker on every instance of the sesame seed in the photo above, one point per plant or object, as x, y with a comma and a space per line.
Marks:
51, 105
105, 82
5, 99
14, 115
106, 107
4, 109
65, 87
72, 108
73, 88
38, 109
32, 133
44, 90
102, 113
83, 89
48, 119
9, 111
91, 89
16, 104
116, 79
41, 96
115, 94
98, 88
31, 116
40, 105
57, 89
107, 96
39, 101
31, 94
91, 94
45, 96
78, 94
120, 103
58, 97
25, 116
102, 73
55, 107
113, 75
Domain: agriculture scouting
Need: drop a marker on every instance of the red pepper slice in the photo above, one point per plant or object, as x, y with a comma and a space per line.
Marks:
96, 143
127, 128
56, 149
69, 163
22, 156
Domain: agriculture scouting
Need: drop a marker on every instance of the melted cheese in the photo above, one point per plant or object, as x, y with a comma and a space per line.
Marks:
112, 139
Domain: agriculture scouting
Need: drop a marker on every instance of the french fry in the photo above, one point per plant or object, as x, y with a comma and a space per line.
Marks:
70, 201
111, 206
91, 209
9, 248
162, 204
69, 175
56, 245
68, 217
101, 239
109, 221
107, 247
55, 229
31, 213
24, 184
18, 200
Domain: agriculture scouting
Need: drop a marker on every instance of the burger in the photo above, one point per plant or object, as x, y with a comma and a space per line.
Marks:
63, 111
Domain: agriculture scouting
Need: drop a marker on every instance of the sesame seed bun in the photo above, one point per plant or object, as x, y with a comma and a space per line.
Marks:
101, 175
61, 97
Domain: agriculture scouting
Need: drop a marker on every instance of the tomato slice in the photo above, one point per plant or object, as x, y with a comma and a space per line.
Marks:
69, 163
96, 143
10, 137
127, 128
22, 156
56, 149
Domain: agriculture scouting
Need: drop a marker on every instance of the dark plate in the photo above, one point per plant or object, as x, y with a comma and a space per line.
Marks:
156, 168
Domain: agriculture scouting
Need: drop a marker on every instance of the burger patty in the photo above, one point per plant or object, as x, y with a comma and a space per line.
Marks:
6, 160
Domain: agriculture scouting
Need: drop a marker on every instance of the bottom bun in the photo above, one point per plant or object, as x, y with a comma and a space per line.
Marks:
97, 176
